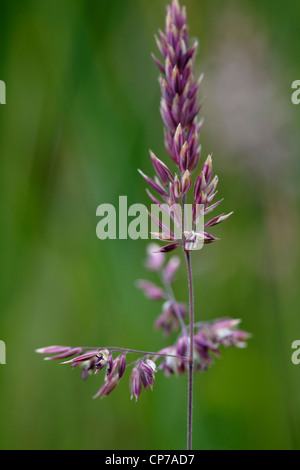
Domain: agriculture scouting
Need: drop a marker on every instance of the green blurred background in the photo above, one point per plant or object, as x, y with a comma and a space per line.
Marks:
81, 113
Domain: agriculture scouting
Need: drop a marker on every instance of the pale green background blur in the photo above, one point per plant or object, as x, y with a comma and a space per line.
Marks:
81, 113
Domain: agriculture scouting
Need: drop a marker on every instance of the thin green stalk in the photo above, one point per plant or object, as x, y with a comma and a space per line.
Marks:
191, 355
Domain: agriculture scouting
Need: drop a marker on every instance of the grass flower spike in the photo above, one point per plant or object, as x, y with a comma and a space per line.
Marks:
180, 113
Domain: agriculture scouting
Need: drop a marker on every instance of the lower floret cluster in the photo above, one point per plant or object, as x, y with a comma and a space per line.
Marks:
209, 337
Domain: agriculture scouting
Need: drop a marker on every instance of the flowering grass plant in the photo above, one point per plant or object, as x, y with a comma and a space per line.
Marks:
197, 343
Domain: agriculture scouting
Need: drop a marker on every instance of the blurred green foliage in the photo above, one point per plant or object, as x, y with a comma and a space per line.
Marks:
81, 113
